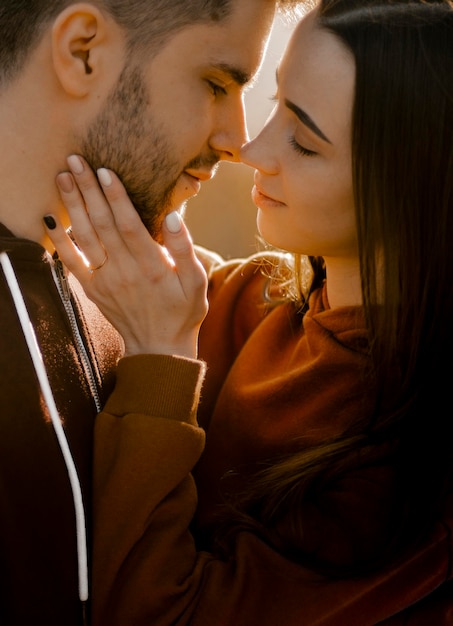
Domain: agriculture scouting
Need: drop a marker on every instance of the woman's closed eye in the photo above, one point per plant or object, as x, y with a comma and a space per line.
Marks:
300, 149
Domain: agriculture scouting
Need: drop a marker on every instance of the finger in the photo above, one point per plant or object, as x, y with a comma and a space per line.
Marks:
179, 244
95, 228
127, 220
97, 205
91, 192
67, 251
146, 252
83, 230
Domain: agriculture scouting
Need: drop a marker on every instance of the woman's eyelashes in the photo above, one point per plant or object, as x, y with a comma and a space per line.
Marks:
300, 149
292, 140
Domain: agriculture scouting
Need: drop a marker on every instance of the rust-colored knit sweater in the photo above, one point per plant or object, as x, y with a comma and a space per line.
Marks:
276, 382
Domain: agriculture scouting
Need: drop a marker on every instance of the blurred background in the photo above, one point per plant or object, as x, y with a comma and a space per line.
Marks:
223, 217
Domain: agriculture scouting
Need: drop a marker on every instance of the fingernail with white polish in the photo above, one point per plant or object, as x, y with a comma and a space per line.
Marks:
104, 177
75, 164
173, 222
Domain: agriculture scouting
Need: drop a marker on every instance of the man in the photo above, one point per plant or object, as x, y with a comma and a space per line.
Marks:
154, 91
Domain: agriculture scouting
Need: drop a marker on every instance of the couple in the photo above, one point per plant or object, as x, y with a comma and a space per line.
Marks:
153, 90
284, 457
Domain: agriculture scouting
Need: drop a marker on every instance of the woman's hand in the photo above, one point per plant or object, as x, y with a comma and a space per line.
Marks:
155, 296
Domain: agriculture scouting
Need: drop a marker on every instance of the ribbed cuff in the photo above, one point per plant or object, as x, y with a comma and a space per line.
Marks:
158, 385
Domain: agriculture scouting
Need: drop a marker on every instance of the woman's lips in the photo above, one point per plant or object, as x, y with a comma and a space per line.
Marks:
262, 200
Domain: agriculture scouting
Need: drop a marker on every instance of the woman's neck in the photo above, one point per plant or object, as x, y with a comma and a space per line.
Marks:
343, 282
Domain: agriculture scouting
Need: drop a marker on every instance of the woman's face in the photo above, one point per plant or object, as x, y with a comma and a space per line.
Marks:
302, 157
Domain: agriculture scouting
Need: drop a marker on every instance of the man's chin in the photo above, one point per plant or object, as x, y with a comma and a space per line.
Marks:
156, 215
155, 229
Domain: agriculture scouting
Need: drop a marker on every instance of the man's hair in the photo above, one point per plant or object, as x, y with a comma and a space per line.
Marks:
147, 23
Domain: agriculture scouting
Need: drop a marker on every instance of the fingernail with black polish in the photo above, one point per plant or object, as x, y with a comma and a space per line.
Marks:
50, 222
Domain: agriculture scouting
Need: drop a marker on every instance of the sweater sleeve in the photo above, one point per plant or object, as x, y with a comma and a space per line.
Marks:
147, 571
146, 443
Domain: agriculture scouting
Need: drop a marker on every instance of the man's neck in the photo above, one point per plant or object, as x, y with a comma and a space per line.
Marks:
27, 164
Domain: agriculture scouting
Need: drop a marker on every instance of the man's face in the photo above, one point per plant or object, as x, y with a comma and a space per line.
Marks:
170, 120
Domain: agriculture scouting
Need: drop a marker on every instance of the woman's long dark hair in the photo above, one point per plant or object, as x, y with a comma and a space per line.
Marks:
403, 174
402, 147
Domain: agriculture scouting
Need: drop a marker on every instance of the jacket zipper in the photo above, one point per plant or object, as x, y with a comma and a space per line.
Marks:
61, 281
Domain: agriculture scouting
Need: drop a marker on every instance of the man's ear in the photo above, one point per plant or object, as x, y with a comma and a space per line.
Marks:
81, 36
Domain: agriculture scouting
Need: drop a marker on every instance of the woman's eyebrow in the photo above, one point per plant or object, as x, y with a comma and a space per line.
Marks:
303, 116
306, 119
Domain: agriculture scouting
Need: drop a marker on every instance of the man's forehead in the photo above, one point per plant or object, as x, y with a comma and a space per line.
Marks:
237, 59
232, 46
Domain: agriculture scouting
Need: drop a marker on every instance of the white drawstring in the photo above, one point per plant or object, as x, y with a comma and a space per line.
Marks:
49, 399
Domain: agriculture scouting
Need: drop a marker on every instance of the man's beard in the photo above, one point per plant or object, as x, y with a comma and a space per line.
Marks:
122, 139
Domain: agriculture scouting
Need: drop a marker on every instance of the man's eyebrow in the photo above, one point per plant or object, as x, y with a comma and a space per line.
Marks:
240, 77
306, 119
303, 116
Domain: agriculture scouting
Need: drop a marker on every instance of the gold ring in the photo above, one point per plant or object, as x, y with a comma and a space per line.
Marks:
93, 269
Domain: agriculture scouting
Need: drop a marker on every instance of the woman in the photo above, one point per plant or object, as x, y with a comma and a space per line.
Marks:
325, 484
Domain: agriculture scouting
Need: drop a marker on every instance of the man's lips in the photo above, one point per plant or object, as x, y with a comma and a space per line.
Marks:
194, 178
200, 175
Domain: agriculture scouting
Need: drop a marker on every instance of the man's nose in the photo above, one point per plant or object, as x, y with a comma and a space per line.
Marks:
230, 132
